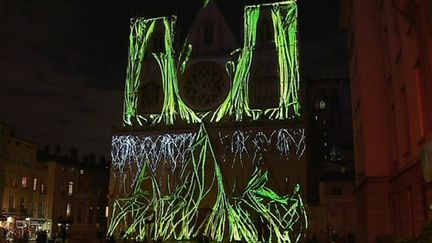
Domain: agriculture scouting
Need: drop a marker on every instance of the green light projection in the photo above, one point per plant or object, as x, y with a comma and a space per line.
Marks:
140, 33
237, 101
173, 103
236, 104
172, 211
284, 18
169, 208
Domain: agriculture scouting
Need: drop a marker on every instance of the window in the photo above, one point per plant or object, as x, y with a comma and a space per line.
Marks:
14, 182
41, 209
22, 205
106, 211
423, 101
265, 31
70, 188
11, 203
393, 135
68, 210
24, 182
42, 189
336, 191
405, 140
81, 172
34, 184
158, 43
90, 215
80, 212
208, 33
150, 97
199, 79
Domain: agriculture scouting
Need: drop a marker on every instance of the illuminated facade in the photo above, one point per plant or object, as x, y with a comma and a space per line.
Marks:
390, 67
75, 191
21, 178
51, 192
212, 144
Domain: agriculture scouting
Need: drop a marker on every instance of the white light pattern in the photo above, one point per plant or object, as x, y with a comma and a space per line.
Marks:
285, 140
131, 151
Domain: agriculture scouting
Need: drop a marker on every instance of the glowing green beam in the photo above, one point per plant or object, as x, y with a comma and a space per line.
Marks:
140, 33
237, 101
284, 16
236, 104
173, 104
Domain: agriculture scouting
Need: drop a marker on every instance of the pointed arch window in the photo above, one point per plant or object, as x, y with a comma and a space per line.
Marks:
158, 43
208, 33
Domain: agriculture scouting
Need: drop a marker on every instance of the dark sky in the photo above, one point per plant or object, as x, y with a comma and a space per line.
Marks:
63, 63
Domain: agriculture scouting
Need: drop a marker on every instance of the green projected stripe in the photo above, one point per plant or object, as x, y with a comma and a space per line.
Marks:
140, 33
173, 104
236, 104
172, 213
169, 207
284, 16
237, 101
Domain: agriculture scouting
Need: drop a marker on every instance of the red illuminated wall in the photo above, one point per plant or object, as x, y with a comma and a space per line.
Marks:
390, 46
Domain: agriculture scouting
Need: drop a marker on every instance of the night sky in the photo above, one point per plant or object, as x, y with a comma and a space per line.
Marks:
63, 63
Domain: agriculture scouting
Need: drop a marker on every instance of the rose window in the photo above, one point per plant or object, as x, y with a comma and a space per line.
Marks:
205, 85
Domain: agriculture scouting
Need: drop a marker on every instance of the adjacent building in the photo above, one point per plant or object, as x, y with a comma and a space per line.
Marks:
230, 137
331, 159
56, 193
22, 197
390, 49
77, 193
330, 137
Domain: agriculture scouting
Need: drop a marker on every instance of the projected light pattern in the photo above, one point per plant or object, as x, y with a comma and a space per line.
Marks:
140, 32
237, 101
287, 137
173, 213
173, 103
284, 18
169, 179
284, 140
236, 104
169, 148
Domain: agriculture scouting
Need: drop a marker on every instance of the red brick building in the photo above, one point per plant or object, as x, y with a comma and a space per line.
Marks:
390, 51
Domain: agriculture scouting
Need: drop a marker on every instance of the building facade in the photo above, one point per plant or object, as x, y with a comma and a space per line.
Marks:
60, 194
331, 159
6, 131
77, 195
329, 120
390, 69
210, 121
23, 200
